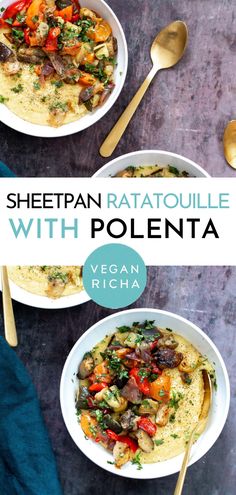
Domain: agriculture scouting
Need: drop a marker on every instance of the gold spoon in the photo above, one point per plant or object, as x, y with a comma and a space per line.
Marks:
167, 49
201, 424
9, 320
229, 141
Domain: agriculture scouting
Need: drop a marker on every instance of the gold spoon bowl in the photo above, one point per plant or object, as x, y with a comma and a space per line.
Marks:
199, 428
229, 141
167, 49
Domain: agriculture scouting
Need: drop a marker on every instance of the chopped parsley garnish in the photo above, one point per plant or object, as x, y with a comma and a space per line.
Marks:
57, 275
109, 462
100, 419
173, 170
9, 20
36, 85
92, 429
213, 379
139, 338
97, 72
173, 435
85, 24
20, 17
172, 418
17, 33
143, 373
159, 442
153, 377
115, 363
137, 462
17, 89
59, 106
174, 401
123, 329
57, 84
3, 99
149, 324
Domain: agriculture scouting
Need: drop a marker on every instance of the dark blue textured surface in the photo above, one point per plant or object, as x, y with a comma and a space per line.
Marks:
27, 465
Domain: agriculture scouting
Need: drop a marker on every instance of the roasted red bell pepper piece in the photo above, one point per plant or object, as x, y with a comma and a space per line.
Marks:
75, 18
147, 425
112, 435
97, 387
15, 8
26, 35
124, 439
3, 23
143, 383
153, 344
156, 370
52, 39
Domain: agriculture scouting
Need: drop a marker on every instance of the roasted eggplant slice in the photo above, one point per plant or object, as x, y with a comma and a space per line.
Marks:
30, 55
131, 391
112, 424
62, 4
162, 415
81, 402
168, 358
128, 420
86, 366
5, 52
145, 442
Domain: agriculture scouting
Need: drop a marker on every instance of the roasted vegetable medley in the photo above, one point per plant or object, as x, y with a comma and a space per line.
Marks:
127, 390
64, 44
152, 171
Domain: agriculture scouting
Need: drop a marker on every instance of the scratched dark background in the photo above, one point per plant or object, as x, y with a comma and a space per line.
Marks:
185, 111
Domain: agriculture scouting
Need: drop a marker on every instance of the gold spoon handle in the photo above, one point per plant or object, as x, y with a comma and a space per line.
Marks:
9, 320
182, 474
118, 130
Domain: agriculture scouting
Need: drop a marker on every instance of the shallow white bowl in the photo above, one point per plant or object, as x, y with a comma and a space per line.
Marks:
25, 297
15, 122
151, 157
69, 384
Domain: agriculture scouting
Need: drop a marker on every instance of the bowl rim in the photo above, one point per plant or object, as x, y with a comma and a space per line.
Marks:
28, 298
37, 130
171, 154
205, 449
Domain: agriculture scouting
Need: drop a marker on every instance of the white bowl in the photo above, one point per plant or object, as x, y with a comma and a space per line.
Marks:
15, 122
69, 384
151, 157
44, 302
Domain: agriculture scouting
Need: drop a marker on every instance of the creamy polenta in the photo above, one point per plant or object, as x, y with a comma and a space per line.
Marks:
141, 392
56, 60
49, 281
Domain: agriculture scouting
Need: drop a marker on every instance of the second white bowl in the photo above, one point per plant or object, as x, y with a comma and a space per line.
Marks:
69, 385
151, 157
